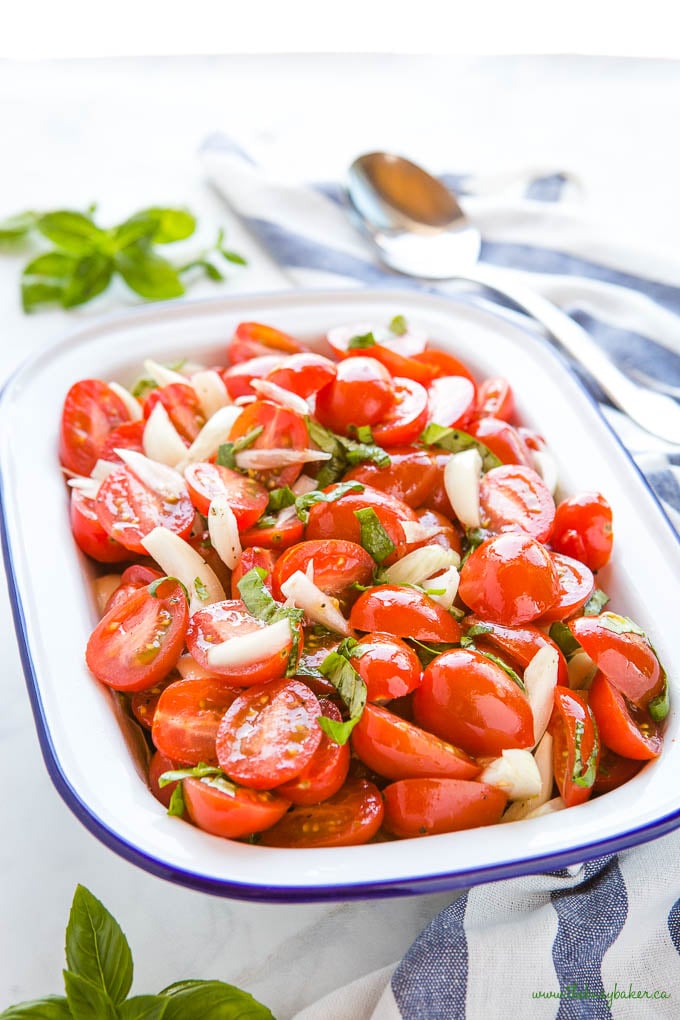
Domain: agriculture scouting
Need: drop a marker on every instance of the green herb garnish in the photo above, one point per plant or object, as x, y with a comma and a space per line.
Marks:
585, 776
398, 325
596, 603
374, 538
226, 453
345, 453
260, 603
351, 687
361, 343
455, 441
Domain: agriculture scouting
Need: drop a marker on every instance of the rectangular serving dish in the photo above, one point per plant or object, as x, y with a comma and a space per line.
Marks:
89, 751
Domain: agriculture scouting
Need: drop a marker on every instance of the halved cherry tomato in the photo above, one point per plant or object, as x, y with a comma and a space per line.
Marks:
253, 556
247, 498
406, 418
576, 747
442, 363
495, 399
514, 497
238, 378
318, 644
440, 531
337, 565
583, 529
181, 402
253, 339
388, 666
187, 717
128, 510
303, 374
159, 764
91, 410
397, 749
451, 400
269, 734
128, 436
350, 817
327, 770
222, 621
626, 659
139, 574
403, 612
411, 475
338, 519
282, 429
438, 499
468, 700
510, 579
362, 393
227, 810
520, 643
143, 703
624, 728
426, 807
576, 586
89, 534
137, 643
613, 771
502, 439
342, 340
286, 531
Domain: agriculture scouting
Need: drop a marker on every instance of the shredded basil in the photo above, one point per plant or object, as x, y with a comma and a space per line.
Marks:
596, 603
344, 453
154, 586
351, 687
361, 342
310, 499
564, 639
585, 776
226, 453
398, 325
455, 440
660, 706
260, 603
620, 624
374, 538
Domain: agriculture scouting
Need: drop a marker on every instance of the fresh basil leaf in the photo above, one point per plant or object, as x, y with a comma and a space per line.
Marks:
596, 603
53, 264
87, 1000
351, 687
257, 598
225, 456
72, 231
34, 293
398, 325
310, 499
374, 538
357, 453
143, 1007
564, 639
477, 629
232, 256
585, 776
660, 706
207, 267
515, 677
91, 276
200, 589
177, 807
138, 228
149, 275
279, 499
143, 387
361, 343
344, 453
455, 440
195, 772
471, 540
340, 732
364, 433
96, 948
428, 652
212, 1000
14, 228
54, 1007
172, 224
620, 624
226, 453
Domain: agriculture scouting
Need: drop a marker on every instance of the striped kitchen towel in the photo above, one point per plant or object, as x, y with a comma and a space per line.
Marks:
599, 940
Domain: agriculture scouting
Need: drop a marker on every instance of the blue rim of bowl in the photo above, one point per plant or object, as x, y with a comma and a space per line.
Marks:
412, 885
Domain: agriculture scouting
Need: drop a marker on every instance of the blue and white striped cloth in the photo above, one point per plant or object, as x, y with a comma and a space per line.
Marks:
600, 940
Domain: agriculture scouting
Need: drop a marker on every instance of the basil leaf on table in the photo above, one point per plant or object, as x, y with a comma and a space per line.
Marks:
172, 224
14, 228
96, 948
149, 274
87, 1000
54, 264
212, 1000
37, 292
72, 231
54, 1007
91, 276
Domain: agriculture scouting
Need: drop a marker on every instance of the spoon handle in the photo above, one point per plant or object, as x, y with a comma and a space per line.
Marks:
654, 412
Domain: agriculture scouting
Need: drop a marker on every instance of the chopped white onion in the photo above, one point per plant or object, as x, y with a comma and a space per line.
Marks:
88, 486
259, 644
279, 395
544, 763
161, 440
515, 772
134, 408
304, 484
223, 530
549, 808
461, 481
216, 431
104, 588
581, 670
263, 460
414, 531
211, 391
103, 468
540, 678
177, 559
164, 480
545, 465
163, 375
445, 587
317, 605
415, 566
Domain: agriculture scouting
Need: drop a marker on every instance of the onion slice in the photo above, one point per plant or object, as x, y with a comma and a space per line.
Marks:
163, 479
279, 395
515, 772
447, 583
134, 408
544, 763
263, 460
210, 390
317, 605
461, 481
540, 678
161, 440
104, 588
259, 644
223, 531
415, 566
178, 559
216, 431
163, 375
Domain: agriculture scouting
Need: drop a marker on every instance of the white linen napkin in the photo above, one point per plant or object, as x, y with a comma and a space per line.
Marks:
599, 940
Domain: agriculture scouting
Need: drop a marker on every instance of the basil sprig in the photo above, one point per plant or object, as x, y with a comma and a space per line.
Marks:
259, 602
345, 453
455, 440
86, 257
351, 687
99, 975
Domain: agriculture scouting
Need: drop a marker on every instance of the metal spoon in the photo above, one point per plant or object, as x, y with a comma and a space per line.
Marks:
419, 229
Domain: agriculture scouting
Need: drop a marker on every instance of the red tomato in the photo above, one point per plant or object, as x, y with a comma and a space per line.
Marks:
362, 393
426, 807
613, 771
159, 764
502, 439
139, 574
137, 643
238, 378
442, 363
128, 436
253, 556
128, 510
407, 417
583, 529
338, 519
247, 498
438, 499
388, 666
441, 531
495, 399
303, 374
576, 748
397, 364
269, 734
89, 534
318, 644
624, 728
510, 579
451, 400
397, 749
230, 811
288, 530
187, 717
181, 402
350, 817
403, 612
91, 411
327, 770
411, 475
230, 619
627, 660
520, 643
253, 339
515, 498
576, 586
143, 703
468, 700
337, 565
282, 429
407, 344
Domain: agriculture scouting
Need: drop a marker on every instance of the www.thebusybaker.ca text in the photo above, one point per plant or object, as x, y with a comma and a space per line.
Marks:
574, 991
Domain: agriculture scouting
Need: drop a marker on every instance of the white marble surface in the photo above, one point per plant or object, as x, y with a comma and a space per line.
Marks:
125, 134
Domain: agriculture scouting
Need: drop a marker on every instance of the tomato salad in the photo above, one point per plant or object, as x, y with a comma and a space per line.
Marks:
347, 605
